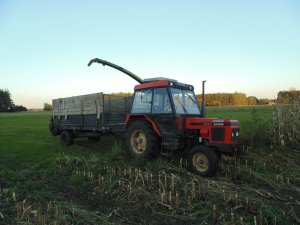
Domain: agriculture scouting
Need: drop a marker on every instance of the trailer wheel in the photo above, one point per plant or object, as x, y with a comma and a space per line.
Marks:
142, 141
203, 161
66, 138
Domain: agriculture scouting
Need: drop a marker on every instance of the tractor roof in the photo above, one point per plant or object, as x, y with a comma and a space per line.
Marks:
162, 82
158, 79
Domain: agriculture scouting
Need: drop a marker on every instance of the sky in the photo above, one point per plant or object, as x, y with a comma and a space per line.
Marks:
251, 47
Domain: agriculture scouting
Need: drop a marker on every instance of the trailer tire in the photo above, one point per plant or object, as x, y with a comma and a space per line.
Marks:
203, 161
141, 140
66, 138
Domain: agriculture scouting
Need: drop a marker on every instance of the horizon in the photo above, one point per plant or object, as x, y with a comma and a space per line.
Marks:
197, 94
248, 47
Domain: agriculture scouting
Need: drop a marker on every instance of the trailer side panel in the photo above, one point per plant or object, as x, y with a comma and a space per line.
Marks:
90, 115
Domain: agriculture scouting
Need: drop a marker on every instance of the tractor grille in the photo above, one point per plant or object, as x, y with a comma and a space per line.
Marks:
218, 134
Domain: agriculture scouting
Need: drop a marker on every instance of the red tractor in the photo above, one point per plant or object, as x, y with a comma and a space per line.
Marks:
165, 117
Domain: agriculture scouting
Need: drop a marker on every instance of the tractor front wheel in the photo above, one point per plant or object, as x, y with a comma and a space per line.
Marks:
142, 141
203, 161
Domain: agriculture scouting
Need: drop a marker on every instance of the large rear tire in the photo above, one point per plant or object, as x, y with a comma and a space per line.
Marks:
203, 161
142, 141
66, 138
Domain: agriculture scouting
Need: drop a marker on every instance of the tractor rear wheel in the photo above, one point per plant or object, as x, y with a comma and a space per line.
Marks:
203, 161
66, 138
142, 141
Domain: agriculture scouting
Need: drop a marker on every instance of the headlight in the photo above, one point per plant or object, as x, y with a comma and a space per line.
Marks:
235, 133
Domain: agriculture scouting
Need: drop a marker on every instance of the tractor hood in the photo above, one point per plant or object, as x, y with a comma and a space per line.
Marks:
215, 130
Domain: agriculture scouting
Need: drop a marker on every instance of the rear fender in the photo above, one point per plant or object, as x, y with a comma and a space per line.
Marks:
131, 118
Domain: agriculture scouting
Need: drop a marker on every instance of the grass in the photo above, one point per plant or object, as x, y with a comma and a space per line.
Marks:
241, 113
42, 182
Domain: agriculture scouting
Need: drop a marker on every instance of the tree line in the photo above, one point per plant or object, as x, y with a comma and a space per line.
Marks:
237, 98
7, 104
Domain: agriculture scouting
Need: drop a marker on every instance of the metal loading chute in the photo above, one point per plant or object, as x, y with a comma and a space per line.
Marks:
105, 63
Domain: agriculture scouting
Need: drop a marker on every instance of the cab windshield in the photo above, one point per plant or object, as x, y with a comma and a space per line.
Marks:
185, 101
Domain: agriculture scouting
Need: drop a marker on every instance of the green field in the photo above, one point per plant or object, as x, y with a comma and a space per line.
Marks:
42, 182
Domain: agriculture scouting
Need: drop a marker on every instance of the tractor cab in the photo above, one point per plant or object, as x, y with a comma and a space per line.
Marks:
165, 103
165, 96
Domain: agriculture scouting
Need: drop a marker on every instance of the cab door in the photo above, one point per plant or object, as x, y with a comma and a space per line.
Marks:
162, 112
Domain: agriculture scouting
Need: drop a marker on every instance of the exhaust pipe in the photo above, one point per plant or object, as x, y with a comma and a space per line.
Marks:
203, 99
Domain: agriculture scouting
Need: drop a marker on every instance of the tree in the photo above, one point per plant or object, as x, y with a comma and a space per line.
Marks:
47, 107
265, 101
252, 100
6, 102
240, 99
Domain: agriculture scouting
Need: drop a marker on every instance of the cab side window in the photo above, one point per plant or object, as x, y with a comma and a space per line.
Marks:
142, 101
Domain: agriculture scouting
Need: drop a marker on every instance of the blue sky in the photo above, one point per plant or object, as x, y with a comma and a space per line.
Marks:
246, 46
